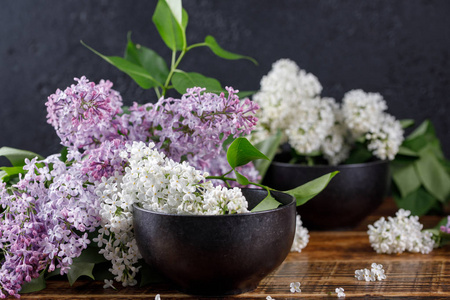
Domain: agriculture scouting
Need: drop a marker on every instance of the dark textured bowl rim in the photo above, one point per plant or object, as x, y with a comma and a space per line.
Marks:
343, 166
284, 206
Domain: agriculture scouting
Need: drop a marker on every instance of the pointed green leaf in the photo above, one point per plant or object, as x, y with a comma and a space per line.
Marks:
182, 81
78, 269
167, 21
138, 73
406, 123
269, 147
13, 170
358, 155
176, 9
241, 152
241, 179
35, 285
407, 152
433, 175
148, 59
405, 177
3, 176
17, 156
267, 203
211, 42
418, 202
310, 189
426, 128
90, 255
245, 94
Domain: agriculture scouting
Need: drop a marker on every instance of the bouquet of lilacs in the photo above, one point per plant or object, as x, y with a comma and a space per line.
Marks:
160, 155
318, 129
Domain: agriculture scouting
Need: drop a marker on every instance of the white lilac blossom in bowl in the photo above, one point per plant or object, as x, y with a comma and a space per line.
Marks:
319, 130
316, 134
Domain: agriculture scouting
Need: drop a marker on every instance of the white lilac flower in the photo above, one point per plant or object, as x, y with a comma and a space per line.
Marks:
289, 101
310, 125
362, 111
301, 237
295, 287
375, 273
378, 271
384, 141
157, 183
109, 284
359, 274
399, 234
336, 145
221, 200
340, 292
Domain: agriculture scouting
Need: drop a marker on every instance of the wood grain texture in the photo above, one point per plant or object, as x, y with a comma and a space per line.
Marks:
329, 261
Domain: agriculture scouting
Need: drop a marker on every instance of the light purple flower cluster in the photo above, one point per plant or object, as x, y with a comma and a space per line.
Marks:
45, 221
104, 161
446, 228
84, 115
47, 214
194, 127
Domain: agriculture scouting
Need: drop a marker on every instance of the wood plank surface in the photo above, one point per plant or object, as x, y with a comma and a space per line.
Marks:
329, 261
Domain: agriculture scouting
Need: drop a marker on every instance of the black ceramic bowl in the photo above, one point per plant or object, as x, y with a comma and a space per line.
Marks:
217, 255
349, 197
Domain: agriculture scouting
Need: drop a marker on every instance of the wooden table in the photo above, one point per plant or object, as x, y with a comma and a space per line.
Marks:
329, 261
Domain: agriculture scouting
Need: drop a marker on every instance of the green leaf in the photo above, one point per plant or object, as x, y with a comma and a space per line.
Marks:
426, 128
90, 255
406, 123
407, 152
13, 170
241, 179
4, 176
269, 147
245, 94
267, 203
405, 177
167, 20
241, 152
310, 189
227, 142
433, 175
211, 42
148, 59
182, 81
358, 155
17, 156
136, 72
418, 202
78, 269
35, 285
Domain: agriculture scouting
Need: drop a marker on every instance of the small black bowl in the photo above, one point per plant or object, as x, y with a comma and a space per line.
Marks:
217, 255
350, 196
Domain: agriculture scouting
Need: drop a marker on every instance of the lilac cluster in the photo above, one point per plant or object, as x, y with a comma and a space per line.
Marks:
84, 115
45, 221
446, 228
194, 127
47, 214
104, 161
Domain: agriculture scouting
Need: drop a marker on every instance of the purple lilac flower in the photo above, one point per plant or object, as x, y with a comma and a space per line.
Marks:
104, 161
194, 127
84, 115
446, 228
45, 222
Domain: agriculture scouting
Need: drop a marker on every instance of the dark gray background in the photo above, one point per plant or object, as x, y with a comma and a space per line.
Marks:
397, 48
